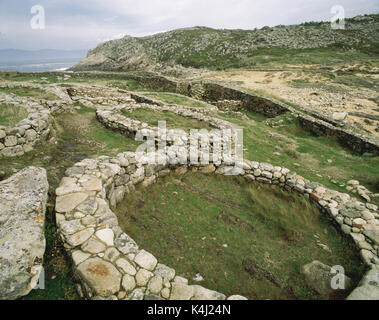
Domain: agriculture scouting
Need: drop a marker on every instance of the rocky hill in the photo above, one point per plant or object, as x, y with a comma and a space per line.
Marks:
202, 47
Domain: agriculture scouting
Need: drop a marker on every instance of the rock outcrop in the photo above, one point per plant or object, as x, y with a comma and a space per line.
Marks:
202, 47
22, 240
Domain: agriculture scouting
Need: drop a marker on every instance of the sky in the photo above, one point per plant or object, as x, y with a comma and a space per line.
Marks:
83, 24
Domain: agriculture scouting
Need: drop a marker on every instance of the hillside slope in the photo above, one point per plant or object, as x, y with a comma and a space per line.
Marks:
202, 47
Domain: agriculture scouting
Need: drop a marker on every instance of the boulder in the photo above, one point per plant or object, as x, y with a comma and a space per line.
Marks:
319, 277
23, 200
339, 116
368, 288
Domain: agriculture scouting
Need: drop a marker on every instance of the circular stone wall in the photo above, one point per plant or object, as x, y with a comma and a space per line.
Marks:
109, 264
22, 137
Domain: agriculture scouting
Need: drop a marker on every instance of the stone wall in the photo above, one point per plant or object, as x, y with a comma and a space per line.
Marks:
255, 103
147, 100
229, 105
98, 95
111, 117
352, 140
95, 242
149, 80
22, 137
318, 124
143, 99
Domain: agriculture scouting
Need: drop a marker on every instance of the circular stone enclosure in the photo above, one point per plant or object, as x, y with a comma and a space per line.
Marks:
109, 263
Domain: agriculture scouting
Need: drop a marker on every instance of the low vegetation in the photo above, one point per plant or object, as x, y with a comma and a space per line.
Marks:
30, 92
173, 120
171, 98
202, 47
243, 238
11, 114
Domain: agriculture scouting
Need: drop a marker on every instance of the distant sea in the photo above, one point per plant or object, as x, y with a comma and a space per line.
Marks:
39, 65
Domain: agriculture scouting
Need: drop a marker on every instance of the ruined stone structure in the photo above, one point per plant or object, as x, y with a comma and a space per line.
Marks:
96, 243
23, 136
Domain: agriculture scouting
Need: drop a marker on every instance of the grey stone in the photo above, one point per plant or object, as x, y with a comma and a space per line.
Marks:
128, 283
69, 202
143, 276
93, 246
155, 284
368, 288
146, 260
22, 240
102, 277
10, 141
80, 237
126, 266
164, 271
181, 291
319, 277
201, 293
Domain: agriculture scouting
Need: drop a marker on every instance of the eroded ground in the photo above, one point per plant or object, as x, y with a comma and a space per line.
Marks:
351, 89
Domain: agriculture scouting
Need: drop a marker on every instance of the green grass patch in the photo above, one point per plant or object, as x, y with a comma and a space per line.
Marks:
30, 92
171, 98
187, 221
173, 120
11, 114
289, 145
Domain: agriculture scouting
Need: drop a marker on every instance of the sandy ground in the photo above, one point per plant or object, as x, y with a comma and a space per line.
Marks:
311, 90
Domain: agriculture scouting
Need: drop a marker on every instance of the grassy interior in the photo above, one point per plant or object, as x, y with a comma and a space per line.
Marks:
186, 221
175, 99
30, 92
173, 120
11, 114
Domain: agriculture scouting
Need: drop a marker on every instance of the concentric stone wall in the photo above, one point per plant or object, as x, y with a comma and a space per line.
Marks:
109, 264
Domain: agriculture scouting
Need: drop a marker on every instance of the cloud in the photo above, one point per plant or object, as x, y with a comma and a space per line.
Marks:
72, 24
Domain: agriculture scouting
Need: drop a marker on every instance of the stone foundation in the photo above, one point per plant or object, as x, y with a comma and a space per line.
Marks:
109, 264
111, 117
22, 137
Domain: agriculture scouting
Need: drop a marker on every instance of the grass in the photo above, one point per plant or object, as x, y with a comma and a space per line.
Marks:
30, 92
171, 98
185, 222
130, 85
93, 137
11, 114
270, 57
173, 120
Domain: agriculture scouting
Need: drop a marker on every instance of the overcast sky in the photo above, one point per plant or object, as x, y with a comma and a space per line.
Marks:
82, 24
